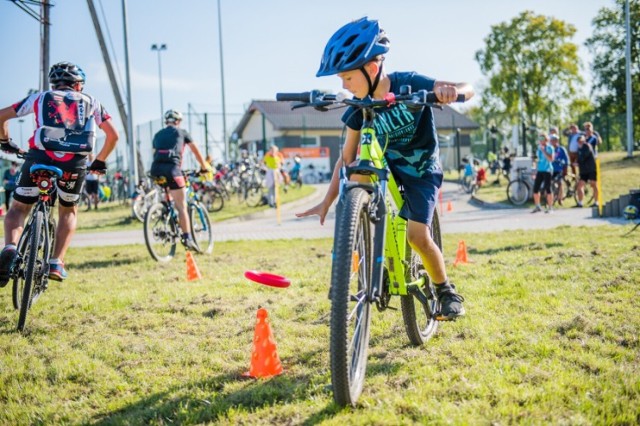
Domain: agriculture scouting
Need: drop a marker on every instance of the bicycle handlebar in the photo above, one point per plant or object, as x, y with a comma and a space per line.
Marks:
319, 99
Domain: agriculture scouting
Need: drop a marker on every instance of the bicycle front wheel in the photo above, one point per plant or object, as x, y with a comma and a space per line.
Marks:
350, 297
33, 267
201, 228
420, 315
160, 234
518, 192
213, 199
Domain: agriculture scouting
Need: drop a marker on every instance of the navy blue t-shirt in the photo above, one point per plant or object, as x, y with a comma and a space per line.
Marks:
168, 145
412, 145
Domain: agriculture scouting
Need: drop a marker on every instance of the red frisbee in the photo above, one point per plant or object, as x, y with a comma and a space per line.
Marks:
265, 278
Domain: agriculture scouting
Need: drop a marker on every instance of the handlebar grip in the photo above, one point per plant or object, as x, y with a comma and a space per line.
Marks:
295, 97
432, 99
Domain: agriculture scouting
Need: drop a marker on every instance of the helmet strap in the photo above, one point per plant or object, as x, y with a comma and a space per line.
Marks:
372, 85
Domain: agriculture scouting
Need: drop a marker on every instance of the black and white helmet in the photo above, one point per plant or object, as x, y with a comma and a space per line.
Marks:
66, 72
171, 116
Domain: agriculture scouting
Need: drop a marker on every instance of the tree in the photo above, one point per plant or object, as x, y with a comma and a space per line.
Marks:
533, 70
607, 45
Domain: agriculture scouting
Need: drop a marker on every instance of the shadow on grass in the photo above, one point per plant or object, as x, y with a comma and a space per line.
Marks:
533, 246
111, 262
214, 401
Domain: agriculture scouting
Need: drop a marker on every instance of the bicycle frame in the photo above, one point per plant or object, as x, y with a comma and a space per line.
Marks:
390, 233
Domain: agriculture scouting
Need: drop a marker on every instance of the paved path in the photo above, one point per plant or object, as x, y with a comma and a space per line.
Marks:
466, 216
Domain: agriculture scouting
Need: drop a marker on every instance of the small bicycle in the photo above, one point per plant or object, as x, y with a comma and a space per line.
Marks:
162, 230
30, 273
372, 259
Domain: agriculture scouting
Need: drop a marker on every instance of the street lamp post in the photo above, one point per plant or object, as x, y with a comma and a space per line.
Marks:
159, 48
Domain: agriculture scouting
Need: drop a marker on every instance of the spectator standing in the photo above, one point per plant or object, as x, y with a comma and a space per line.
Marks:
543, 175
591, 137
560, 164
9, 182
588, 174
274, 161
573, 134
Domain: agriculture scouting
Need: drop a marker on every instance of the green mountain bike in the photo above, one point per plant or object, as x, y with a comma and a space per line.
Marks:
372, 259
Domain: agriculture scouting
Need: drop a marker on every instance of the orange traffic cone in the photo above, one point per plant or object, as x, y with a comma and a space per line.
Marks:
192, 269
449, 206
264, 359
461, 254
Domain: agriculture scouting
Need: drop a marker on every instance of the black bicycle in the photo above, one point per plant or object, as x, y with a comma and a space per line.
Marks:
30, 273
162, 230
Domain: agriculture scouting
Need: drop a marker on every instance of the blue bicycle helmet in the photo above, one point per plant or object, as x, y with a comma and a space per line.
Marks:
352, 46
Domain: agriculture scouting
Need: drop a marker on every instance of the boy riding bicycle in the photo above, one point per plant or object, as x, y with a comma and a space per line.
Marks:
356, 54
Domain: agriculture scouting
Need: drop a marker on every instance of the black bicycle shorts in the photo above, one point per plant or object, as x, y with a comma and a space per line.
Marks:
589, 176
542, 182
168, 174
69, 186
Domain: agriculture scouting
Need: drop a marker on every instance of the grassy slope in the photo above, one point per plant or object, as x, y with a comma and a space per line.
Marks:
550, 337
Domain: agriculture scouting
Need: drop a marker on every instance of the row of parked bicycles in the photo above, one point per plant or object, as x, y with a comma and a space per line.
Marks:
243, 184
520, 189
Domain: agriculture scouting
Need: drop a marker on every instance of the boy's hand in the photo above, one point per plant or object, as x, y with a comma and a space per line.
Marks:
98, 167
446, 94
320, 209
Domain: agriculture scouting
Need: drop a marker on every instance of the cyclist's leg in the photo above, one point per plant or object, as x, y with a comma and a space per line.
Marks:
421, 196
69, 188
179, 196
25, 195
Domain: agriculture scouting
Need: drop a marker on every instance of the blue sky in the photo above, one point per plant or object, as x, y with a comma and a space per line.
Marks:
268, 46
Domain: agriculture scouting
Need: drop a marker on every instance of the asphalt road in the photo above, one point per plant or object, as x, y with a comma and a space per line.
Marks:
466, 216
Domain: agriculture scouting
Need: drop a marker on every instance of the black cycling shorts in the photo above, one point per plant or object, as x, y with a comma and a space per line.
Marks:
170, 175
69, 186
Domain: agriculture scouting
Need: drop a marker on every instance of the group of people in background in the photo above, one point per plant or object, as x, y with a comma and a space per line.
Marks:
553, 161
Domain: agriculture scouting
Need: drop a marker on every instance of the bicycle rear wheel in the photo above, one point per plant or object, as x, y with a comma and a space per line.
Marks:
350, 297
160, 233
518, 192
588, 195
201, 230
33, 267
253, 196
420, 316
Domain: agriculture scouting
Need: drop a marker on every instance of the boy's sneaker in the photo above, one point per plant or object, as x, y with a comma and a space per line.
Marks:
536, 209
7, 259
450, 302
57, 272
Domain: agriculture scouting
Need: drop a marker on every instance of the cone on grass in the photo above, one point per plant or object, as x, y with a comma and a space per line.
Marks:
461, 254
193, 273
264, 357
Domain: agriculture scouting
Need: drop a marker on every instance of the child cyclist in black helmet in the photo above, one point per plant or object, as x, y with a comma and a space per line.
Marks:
355, 53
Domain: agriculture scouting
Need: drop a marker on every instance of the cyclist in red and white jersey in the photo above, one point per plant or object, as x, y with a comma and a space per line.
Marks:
66, 120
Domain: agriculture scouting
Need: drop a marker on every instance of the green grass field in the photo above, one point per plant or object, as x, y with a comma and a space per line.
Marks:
550, 337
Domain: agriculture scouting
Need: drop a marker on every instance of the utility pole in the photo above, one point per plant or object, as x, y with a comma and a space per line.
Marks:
107, 62
628, 81
133, 164
44, 44
224, 108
